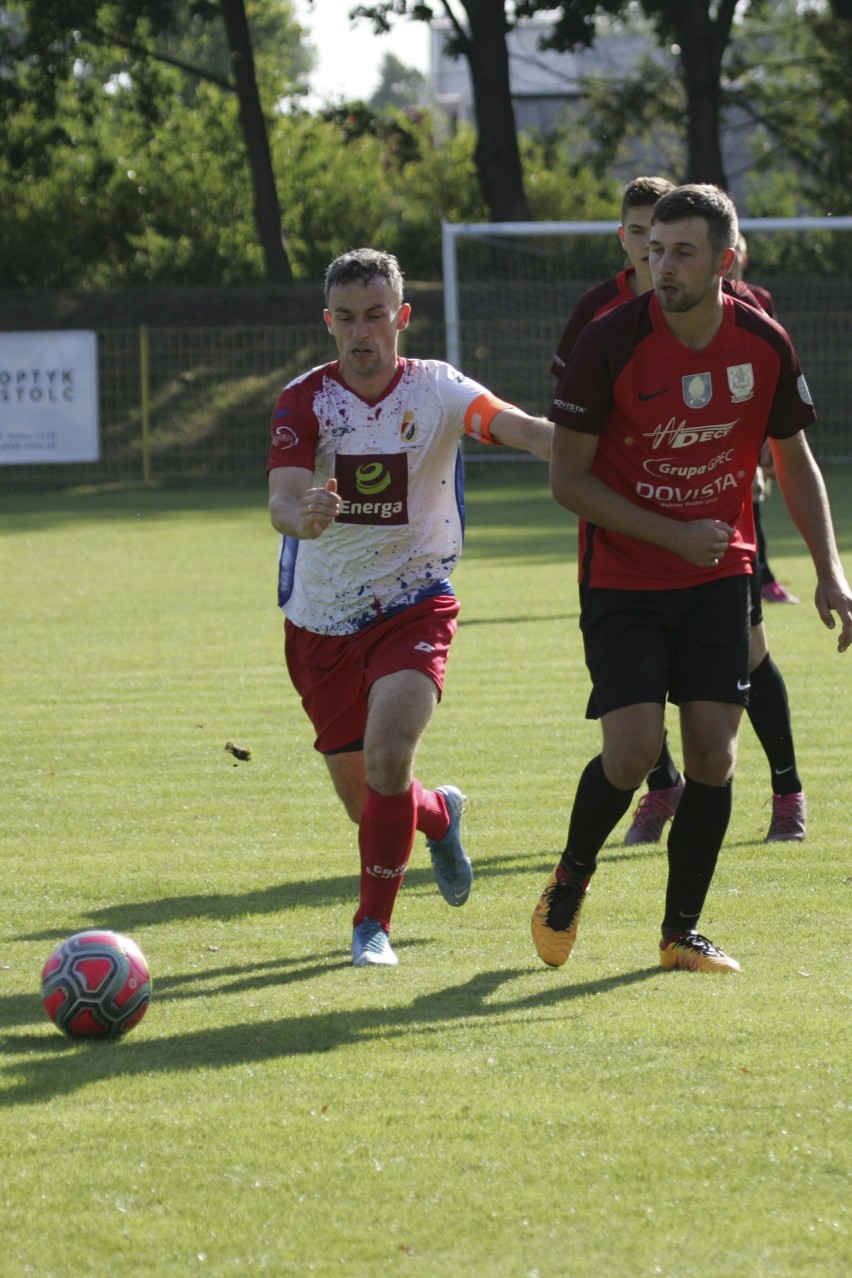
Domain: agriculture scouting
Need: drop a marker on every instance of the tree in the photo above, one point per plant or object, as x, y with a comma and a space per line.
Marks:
700, 30
48, 43
478, 30
353, 177
267, 210
400, 86
792, 73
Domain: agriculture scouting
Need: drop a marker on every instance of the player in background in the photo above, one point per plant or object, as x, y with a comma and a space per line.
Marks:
771, 590
660, 418
365, 485
637, 203
769, 707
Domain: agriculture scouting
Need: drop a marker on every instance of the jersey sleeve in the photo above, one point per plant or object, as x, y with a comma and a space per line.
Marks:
584, 396
466, 403
294, 428
792, 408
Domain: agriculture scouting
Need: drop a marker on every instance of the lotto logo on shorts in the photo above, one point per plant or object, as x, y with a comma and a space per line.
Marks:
373, 489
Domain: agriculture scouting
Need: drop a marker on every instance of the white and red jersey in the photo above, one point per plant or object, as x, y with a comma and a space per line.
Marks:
397, 463
680, 430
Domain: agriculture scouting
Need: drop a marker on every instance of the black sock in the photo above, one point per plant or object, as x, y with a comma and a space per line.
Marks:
769, 712
664, 773
598, 808
695, 838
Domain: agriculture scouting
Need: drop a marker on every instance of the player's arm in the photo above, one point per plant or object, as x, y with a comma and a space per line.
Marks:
574, 486
494, 421
296, 507
513, 427
803, 487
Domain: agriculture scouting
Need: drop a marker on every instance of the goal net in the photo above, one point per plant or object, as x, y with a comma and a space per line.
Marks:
509, 288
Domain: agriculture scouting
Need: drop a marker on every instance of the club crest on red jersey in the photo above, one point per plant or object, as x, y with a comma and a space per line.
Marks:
740, 382
697, 390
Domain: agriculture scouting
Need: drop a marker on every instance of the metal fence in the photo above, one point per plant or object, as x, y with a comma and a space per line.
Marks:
507, 342
192, 403
185, 404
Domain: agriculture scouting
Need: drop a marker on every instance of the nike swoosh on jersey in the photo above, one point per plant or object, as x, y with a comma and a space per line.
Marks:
653, 394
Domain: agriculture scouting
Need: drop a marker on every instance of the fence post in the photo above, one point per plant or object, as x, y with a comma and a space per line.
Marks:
145, 401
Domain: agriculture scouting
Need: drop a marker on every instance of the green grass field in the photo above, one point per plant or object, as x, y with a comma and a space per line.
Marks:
470, 1112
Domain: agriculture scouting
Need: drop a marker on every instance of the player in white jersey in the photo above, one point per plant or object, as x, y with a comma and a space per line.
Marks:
398, 531
365, 486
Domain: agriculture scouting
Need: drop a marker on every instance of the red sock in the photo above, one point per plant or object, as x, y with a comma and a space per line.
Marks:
432, 813
385, 838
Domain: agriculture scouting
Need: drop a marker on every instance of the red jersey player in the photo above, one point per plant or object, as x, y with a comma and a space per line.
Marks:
660, 418
769, 706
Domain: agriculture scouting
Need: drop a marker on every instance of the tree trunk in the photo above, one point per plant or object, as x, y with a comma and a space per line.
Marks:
498, 158
267, 210
702, 41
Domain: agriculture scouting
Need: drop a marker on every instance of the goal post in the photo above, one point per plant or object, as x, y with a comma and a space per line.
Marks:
509, 288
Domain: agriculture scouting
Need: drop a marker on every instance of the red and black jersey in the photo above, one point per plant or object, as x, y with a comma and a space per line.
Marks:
595, 302
613, 292
680, 430
753, 293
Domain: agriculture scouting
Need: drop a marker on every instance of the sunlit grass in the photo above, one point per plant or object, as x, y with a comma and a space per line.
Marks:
470, 1112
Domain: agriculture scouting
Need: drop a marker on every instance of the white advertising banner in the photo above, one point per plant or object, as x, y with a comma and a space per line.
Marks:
49, 398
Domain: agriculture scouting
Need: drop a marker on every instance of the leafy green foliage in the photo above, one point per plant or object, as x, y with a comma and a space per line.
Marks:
350, 177
122, 160
122, 148
793, 73
400, 87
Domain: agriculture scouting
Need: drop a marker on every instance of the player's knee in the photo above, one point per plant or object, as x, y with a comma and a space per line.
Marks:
627, 769
388, 769
711, 766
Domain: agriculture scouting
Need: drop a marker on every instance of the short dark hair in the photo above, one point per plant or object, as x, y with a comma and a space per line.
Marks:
360, 266
642, 192
701, 199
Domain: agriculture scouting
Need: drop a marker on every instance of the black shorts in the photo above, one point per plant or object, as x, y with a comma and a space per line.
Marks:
681, 645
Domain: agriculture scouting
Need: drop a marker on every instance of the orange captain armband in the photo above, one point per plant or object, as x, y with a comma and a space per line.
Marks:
481, 413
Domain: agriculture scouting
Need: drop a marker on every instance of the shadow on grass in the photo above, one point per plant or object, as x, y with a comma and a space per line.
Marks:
69, 1065
277, 898
223, 907
132, 916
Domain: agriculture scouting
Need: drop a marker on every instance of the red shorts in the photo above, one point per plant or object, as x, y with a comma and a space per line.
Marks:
334, 673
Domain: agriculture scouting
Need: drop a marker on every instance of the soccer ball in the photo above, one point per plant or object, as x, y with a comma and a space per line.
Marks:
96, 985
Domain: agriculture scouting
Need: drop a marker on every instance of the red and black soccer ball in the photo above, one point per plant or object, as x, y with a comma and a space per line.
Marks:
96, 985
